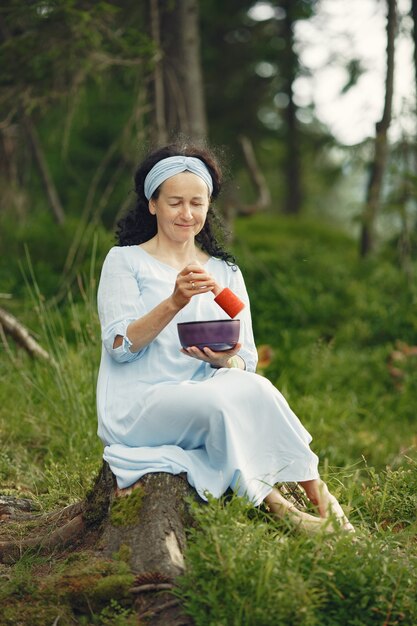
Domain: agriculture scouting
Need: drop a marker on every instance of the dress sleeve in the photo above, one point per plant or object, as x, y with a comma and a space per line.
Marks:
248, 352
119, 303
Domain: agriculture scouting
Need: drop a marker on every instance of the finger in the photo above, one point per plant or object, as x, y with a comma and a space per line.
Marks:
198, 285
215, 355
200, 278
198, 354
189, 353
195, 351
194, 268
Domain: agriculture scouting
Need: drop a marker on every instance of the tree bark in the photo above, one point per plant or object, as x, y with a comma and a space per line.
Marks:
159, 126
156, 539
414, 17
293, 195
183, 81
373, 196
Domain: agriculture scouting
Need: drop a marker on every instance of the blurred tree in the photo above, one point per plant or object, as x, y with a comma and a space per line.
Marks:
251, 65
48, 51
178, 100
373, 196
294, 193
414, 16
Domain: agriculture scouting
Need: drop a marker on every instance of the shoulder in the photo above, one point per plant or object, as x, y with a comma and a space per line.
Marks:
229, 272
119, 257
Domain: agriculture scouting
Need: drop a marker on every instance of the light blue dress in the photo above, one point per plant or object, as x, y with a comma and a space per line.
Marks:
162, 411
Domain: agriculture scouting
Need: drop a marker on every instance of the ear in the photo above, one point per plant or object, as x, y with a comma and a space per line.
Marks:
151, 205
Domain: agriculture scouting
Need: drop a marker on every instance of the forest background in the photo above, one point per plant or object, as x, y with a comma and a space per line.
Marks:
325, 233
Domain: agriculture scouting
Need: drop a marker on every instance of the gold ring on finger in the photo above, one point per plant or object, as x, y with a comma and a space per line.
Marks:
192, 285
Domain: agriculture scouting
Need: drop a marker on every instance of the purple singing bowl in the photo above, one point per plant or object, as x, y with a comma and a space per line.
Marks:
217, 335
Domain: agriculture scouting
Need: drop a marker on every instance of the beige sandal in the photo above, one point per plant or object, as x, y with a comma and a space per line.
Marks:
335, 518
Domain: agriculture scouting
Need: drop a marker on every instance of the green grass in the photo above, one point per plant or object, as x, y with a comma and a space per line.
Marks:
337, 328
246, 570
50, 449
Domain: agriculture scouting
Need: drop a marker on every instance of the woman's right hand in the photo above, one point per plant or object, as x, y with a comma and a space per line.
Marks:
192, 281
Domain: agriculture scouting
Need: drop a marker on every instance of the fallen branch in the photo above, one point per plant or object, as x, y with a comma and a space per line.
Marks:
153, 587
21, 335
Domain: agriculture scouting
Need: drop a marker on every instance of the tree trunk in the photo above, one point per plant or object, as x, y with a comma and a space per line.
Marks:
263, 199
156, 536
37, 151
373, 197
159, 129
293, 195
183, 82
414, 17
46, 177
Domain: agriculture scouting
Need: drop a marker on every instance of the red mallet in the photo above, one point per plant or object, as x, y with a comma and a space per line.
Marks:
229, 302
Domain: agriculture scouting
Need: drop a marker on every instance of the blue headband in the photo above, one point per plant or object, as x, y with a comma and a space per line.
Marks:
175, 165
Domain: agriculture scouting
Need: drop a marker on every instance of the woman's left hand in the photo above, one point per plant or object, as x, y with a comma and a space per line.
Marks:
216, 359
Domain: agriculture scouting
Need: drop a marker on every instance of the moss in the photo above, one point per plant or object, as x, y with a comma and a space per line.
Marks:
124, 553
89, 582
95, 592
116, 587
125, 509
31, 612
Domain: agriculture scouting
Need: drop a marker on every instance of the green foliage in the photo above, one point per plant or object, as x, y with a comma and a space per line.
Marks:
309, 276
242, 572
114, 615
36, 244
333, 325
48, 408
47, 48
390, 498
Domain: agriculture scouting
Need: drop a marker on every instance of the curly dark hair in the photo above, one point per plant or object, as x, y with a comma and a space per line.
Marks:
139, 225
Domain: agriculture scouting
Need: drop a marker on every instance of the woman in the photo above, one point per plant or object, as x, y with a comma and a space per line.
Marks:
196, 411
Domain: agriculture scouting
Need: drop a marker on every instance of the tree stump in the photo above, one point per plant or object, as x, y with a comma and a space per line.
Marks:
146, 524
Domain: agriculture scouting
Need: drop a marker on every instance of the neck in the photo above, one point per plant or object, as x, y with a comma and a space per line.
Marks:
176, 254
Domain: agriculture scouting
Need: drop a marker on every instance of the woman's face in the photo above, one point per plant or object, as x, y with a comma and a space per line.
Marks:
181, 207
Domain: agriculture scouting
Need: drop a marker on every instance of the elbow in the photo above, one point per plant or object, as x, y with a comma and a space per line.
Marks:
119, 349
122, 355
118, 341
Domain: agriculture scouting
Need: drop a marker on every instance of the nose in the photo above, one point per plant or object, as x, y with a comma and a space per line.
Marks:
186, 213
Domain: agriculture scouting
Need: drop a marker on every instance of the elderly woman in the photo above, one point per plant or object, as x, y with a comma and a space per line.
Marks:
166, 409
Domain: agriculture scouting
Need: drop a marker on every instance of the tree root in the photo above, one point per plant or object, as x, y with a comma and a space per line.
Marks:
44, 532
